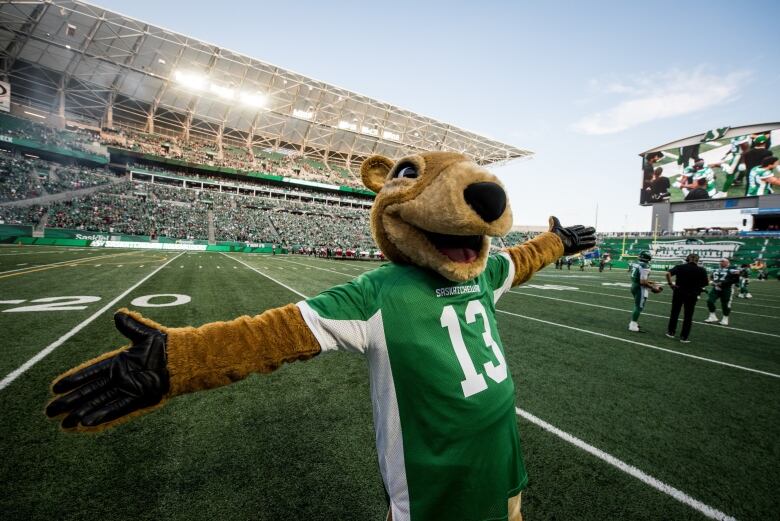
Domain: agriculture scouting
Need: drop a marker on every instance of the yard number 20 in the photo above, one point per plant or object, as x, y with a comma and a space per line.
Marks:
474, 382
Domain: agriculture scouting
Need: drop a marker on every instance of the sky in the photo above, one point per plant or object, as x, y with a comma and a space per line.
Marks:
587, 86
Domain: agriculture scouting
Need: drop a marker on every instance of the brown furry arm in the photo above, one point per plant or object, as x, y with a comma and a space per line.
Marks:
533, 255
221, 353
163, 362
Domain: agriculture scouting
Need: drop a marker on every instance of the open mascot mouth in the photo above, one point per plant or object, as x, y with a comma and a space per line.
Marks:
457, 248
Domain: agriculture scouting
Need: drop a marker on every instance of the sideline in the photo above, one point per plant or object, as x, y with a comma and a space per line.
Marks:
515, 292
33, 269
649, 346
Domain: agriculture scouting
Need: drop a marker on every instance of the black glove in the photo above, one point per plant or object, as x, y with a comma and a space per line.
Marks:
574, 238
131, 379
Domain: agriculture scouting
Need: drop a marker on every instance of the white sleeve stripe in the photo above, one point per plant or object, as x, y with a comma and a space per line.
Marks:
507, 285
333, 334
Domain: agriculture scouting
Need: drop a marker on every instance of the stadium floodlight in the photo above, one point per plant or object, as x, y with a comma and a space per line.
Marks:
303, 114
222, 92
191, 80
254, 99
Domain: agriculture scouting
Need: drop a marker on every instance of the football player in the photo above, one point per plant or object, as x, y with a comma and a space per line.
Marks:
762, 177
700, 170
723, 278
733, 162
744, 281
641, 286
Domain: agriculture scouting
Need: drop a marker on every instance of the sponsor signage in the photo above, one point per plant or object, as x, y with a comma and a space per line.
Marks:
707, 251
154, 245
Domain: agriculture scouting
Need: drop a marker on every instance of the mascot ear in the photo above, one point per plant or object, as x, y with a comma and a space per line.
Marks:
374, 172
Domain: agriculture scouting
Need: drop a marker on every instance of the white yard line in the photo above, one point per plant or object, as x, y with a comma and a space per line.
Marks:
54, 345
624, 278
656, 301
591, 332
32, 252
649, 346
575, 283
643, 313
632, 471
264, 275
317, 268
35, 267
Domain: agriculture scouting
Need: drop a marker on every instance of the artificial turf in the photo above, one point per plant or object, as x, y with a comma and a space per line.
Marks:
299, 443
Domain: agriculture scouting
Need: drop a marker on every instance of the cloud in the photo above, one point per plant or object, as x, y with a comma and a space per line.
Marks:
657, 96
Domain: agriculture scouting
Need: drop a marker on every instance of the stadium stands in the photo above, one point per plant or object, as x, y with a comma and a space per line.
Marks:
24, 178
37, 134
186, 203
17, 178
239, 158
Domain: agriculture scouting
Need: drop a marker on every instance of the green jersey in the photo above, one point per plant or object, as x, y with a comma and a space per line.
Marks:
757, 181
725, 277
733, 158
443, 399
639, 271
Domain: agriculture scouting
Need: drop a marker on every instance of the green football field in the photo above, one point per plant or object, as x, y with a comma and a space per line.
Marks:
614, 425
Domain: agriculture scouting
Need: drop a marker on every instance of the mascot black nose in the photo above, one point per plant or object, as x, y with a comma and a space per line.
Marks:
487, 199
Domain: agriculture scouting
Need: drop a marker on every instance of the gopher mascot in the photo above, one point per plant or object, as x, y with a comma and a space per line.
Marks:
443, 399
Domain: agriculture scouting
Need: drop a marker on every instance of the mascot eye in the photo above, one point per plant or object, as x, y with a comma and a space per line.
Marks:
407, 172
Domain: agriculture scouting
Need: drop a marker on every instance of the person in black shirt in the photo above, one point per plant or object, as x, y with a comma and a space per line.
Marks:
754, 157
659, 186
690, 280
648, 167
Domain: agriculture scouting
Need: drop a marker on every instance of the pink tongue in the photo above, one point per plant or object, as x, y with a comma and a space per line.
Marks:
459, 254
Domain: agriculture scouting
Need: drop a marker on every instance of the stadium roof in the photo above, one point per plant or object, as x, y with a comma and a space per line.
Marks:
90, 63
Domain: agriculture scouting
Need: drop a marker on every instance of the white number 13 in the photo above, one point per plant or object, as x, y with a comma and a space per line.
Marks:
474, 381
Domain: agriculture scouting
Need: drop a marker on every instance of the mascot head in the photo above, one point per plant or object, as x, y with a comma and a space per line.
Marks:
437, 210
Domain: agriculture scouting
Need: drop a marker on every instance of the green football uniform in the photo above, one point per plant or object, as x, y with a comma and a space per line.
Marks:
757, 181
722, 281
731, 164
639, 271
744, 281
443, 399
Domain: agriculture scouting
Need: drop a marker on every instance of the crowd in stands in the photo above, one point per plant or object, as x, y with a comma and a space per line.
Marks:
73, 139
144, 208
64, 179
22, 177
233, 156
30, 215
514, 238
251, 184
322, 229
118, 210
18, 178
